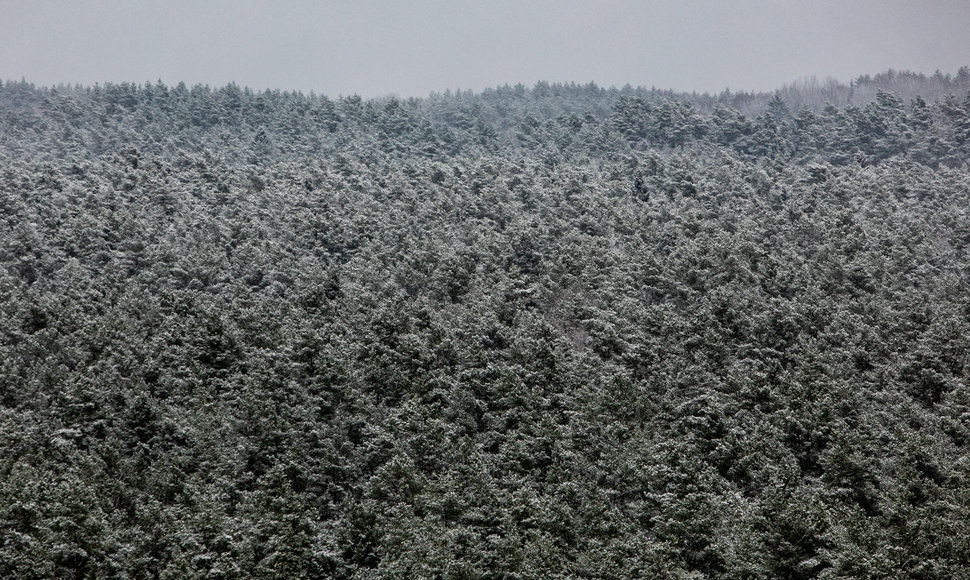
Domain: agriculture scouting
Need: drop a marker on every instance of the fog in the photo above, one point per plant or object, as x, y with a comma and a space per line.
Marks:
375, 48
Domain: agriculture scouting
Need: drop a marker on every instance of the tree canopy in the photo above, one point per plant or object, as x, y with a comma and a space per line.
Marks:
551, 332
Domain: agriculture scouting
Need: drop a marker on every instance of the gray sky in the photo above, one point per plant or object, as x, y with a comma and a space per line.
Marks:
411, 48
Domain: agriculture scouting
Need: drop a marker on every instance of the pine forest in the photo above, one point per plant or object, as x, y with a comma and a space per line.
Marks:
553, 332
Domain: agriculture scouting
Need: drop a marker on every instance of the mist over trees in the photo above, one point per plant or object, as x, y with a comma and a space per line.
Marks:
552, 332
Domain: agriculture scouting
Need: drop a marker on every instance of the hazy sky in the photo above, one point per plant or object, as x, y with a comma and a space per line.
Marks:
411, 48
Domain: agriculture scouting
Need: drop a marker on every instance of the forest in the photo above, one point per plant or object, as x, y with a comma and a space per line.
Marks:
559, 331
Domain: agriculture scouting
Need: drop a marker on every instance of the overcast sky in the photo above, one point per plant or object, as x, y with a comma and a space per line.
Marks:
411, 48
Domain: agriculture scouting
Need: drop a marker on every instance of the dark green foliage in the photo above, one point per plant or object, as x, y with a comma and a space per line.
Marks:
559, 332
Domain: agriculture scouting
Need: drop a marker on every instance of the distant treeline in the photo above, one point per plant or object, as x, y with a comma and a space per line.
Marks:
870, 119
